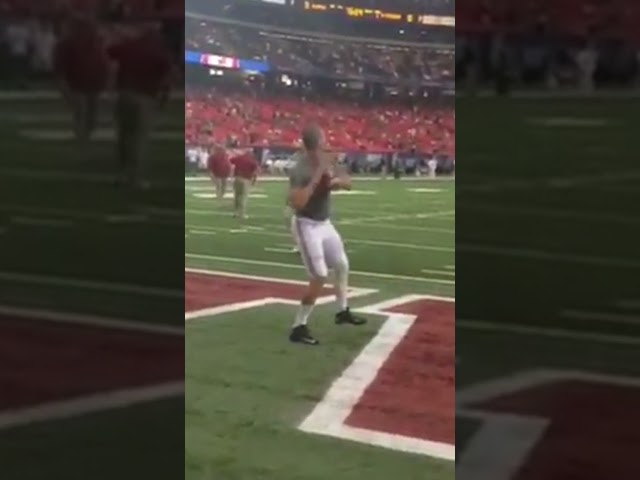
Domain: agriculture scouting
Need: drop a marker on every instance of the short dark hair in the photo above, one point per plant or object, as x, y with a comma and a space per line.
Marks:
311, 137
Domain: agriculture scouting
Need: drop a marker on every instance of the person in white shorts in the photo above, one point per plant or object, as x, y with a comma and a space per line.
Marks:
320, 244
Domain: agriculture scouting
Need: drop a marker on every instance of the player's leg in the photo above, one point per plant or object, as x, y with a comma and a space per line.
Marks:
337, 260
223, 186
91, 113
310, 243
244, 197
217, 182
288, 217
237, 194
142, 105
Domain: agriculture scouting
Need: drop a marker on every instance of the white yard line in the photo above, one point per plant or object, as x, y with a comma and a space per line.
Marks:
278, 250
247, 261
547, 213
379, 243
41, 222
88, 320
629, 319
112, 287
629, 304
559, 257
438, 272
89, 404
556, 333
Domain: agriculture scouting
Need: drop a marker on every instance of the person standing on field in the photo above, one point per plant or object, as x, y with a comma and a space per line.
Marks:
245, 169
219, 170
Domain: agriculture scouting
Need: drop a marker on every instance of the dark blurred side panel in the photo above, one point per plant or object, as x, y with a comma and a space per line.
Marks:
91, 245
548, 209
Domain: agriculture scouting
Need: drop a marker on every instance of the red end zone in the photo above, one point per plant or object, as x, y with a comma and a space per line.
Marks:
399, 393
413, 393
47, 361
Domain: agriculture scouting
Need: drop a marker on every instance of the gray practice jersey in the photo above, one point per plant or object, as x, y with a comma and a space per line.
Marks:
319, 205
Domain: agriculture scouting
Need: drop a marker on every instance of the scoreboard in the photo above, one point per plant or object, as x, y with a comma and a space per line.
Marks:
379, 15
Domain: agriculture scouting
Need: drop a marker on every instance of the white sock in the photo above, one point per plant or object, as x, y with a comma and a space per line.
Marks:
342, 285
302, 315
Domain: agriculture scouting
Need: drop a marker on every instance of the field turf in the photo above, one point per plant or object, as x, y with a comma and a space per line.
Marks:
247, 387
73, 247
547, 209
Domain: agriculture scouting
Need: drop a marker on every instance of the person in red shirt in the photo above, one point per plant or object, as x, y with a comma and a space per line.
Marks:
219, 170
143, 78
82, 67
246, 173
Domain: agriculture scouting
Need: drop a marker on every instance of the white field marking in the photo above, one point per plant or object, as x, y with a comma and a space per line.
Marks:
252, 228
556, 333
32, 95
89, 320
502, 444
100, 134
90, 285
353, 292
450, 267
41, 222
278, 250
395, 226
202, 232
424, 190
629, 304
300, 267
571, 215
347, 193
328, 417
531, 254
379, 243
68, 176
400, 216
601, 317
126, 218
28, 211
227, 195
89, 404
283, 178
438, 272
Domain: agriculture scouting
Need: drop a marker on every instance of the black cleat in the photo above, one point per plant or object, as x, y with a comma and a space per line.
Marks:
346, 316
301, 334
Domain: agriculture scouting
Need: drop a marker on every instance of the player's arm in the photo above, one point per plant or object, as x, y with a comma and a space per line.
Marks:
341, 182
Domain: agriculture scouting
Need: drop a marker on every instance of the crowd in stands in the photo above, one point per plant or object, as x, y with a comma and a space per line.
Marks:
318, 55
248, 120
549, 42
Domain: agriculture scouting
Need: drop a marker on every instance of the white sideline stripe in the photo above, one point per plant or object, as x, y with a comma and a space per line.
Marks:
202, 232
438, 272
601, 317
41, 222
300, 267
89, 404
629, 304
382, 243
549, 256
90, 285
557, 333
503, 441
284, 178
353, 292
278, 250
89, 320
328, 417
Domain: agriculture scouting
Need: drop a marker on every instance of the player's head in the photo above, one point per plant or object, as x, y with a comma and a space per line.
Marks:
312, 138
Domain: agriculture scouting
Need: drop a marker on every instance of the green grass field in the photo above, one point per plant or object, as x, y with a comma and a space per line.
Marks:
547, 208
247, 387
70, 242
